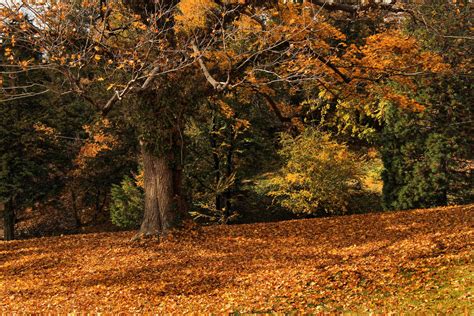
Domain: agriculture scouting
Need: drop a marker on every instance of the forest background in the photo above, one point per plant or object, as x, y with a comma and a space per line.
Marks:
144, 114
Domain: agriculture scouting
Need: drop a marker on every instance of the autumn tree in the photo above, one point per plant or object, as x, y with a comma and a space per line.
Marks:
230, 142
157, 59
89, 56
318, 176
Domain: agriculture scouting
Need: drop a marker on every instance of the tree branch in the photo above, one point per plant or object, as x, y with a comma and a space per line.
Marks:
355, 8
274, 107
219, 86
333, 68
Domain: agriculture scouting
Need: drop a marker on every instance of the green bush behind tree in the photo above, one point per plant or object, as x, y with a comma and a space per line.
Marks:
127, 205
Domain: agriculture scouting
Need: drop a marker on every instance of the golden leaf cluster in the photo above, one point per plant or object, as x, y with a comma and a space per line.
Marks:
99, 141
194, 14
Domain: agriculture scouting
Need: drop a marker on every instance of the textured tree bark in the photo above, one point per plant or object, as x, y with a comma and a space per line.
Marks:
165, 194
151, 224
165, 205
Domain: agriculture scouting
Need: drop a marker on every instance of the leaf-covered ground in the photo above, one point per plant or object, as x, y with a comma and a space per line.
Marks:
402, 261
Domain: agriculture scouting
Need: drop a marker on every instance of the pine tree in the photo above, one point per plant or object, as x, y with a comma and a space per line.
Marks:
428, 156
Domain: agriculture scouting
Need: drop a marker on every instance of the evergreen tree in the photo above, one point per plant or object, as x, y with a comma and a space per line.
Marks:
31, 162
428, 156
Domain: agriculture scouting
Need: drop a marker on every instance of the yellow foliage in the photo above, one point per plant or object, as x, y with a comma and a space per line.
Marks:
225, 109
194, 14
293, 177
140, 179
44, 129
318, 174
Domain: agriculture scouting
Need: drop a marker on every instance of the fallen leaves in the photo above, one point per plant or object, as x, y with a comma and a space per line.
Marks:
373, 262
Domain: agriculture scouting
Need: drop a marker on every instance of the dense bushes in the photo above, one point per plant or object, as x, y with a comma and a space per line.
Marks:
318, 175
126, 209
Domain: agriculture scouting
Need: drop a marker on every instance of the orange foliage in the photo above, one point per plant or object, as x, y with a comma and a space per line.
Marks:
393, 56
140, 179
362, 262
194, 13
403, 101
99, 141
225, 109
44, 129
396, 52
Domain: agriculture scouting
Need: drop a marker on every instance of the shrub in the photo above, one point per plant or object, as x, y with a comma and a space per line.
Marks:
127, 205
318, 175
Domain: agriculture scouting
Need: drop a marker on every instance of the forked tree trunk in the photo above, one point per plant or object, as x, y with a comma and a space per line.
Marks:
165, 206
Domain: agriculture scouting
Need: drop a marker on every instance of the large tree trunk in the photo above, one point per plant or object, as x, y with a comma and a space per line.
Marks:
162, 155
165, 205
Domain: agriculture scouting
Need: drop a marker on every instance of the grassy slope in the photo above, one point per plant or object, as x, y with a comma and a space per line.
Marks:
402, 261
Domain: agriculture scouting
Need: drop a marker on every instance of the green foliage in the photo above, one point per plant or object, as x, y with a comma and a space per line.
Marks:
108, 152
411, 177
31, 164
426, 160
127, 205
32, 160
318, 175
428, 156
224, 141
230, 143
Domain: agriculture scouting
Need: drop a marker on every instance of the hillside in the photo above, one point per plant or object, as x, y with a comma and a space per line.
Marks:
401, 261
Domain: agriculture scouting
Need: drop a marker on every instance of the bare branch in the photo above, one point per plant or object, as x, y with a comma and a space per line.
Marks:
219, 86
23, 96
